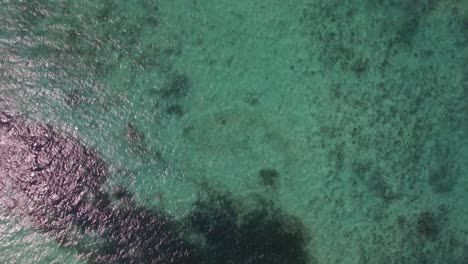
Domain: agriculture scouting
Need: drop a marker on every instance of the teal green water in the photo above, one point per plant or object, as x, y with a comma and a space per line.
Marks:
361, 107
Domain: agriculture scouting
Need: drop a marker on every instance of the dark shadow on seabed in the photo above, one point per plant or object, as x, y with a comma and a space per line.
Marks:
58, 185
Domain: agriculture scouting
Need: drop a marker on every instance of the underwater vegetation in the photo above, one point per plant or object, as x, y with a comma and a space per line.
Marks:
57, 183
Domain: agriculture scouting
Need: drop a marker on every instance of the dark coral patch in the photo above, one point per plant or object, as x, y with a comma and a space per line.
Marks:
57, 184
178, 86
360, 66
427, 225
120, 192
133, 135
269, 176
233, 234
175, 109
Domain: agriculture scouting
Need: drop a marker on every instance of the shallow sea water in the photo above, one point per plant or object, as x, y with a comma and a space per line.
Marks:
337, 130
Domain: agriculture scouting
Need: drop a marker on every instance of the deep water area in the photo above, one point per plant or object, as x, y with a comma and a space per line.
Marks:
216, 131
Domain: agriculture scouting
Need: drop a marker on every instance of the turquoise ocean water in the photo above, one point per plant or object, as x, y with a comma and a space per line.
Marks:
350, 117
